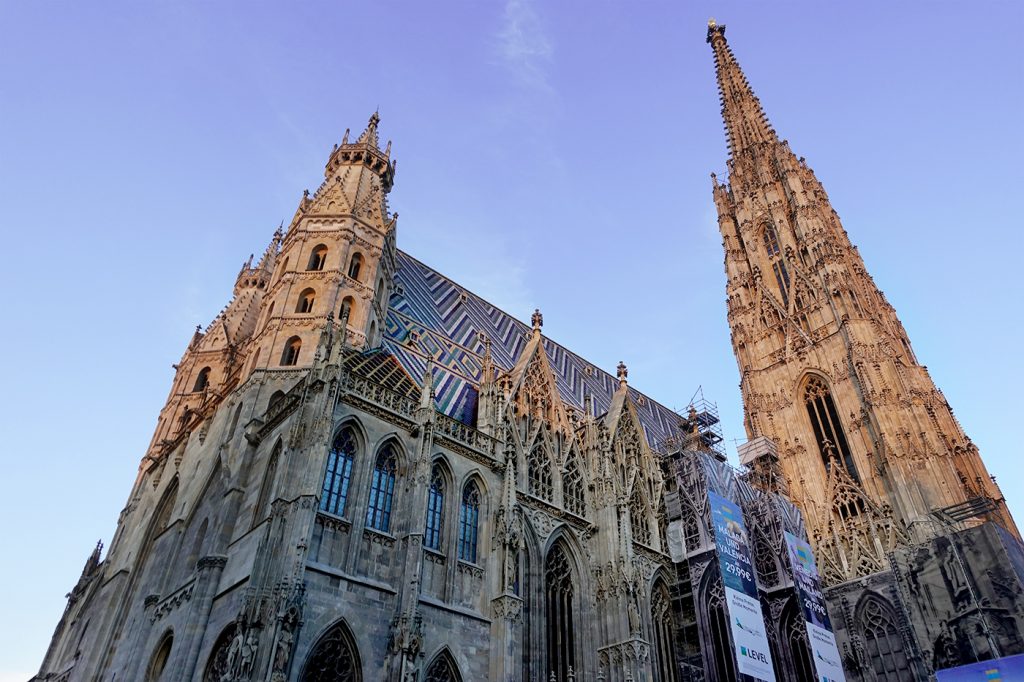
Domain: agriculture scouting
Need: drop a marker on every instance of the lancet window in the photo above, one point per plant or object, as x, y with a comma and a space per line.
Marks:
469, 522
662, 622
334, 495
572, 486
382, 490
771, 247
290, 355
559, 597
639, 519
267, 486
306, 300
435, 510
794, 632
782, 279
721, 651
538, 467
828, 429
771, 241
882, 641
347, 306
202, 381
334, 658
158, 663
355, 265
318, 258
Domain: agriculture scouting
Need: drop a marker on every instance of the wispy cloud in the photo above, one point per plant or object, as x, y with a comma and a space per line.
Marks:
523, 45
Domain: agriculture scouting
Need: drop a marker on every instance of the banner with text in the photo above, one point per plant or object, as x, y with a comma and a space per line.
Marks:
819, 629
743, 606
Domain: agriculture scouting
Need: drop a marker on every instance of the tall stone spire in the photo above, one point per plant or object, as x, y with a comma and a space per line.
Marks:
745, 121
827, 370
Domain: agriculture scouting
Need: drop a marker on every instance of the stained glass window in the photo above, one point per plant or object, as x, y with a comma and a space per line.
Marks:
334, 494
469, 521
435, 510
382, 490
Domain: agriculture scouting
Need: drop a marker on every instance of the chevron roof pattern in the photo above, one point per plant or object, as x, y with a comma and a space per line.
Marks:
432, 316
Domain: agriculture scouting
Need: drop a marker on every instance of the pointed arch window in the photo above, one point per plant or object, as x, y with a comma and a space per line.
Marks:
538, 471
828, 429
469, 522
334, 494
719, 622
267, 486
882, 641
639, 519
347, 307
443, 669
771, 241
435, 510
771, 246
158, 663
290, 355
382, 490
572, 486
334, 658
782, 279
202, 381
664, 631
306, 300
559, 601
794, 632
318, 258
355, 265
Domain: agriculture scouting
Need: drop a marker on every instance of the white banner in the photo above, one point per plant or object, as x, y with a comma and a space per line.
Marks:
812, 602
743, 606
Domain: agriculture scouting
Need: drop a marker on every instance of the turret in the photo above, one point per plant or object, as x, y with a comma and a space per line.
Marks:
337, 257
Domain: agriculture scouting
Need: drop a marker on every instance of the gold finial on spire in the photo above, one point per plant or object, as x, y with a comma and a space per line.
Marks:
711, 23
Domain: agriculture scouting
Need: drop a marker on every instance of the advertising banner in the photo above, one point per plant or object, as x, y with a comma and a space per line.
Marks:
998, 670
742, 603
819, 629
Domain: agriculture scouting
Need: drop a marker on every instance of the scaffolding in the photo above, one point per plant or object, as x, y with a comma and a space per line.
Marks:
699, 429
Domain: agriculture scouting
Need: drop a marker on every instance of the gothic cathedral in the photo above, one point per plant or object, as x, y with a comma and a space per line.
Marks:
364, 472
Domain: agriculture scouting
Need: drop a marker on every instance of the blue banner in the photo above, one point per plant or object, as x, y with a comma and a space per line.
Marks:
998, 670
822, 642
743, 606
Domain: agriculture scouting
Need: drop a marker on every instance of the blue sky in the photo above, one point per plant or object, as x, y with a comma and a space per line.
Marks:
551, 155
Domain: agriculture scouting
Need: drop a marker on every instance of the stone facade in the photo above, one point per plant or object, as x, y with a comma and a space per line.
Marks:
314, 507
364, 471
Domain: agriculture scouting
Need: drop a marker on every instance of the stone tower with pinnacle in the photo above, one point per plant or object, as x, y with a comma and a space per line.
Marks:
867, 443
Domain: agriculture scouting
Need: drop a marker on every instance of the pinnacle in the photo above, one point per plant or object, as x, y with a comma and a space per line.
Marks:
369, 136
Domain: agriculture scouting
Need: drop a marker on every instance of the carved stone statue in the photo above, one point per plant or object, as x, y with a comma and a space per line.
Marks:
283, 651
634, 617
248, 655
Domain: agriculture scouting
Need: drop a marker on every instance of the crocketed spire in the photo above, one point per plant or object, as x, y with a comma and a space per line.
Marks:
745, 121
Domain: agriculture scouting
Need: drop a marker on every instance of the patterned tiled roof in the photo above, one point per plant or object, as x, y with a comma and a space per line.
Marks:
432, 316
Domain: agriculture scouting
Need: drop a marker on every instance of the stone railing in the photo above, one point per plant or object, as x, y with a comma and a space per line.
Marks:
377, 394
465, 434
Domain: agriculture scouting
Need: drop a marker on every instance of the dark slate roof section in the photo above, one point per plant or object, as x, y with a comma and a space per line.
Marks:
430, 315
383, 368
